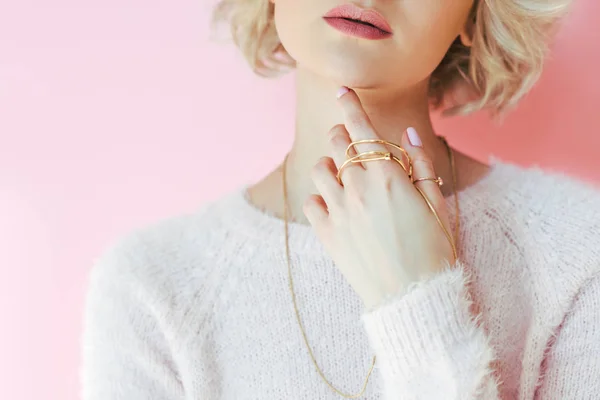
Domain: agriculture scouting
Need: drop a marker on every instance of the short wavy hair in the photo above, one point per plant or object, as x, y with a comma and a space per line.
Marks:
509, 45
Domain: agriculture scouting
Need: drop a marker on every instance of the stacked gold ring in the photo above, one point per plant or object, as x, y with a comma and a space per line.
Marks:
379, 155
372, 156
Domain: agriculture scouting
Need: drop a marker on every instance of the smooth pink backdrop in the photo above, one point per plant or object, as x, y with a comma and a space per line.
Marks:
114, 114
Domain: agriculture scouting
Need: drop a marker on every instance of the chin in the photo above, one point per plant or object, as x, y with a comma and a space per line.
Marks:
349, 69
345, 61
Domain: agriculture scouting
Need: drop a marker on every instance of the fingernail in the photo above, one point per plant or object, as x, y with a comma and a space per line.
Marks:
413, 137
342, 91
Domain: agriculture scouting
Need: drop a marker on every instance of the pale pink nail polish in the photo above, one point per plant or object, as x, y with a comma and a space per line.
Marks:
413, 137
342, 91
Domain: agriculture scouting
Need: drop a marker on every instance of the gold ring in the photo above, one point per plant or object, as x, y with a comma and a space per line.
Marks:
437, 180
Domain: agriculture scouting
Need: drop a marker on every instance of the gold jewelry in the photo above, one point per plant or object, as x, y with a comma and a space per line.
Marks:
291, 282
382, 156
454, 184
437, 180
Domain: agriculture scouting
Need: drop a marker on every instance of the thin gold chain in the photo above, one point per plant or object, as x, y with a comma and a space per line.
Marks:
454, 184
291, 281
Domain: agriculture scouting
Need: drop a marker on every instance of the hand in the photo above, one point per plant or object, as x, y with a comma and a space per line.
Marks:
377, 227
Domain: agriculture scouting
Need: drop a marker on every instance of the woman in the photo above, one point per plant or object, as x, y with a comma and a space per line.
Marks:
399, 269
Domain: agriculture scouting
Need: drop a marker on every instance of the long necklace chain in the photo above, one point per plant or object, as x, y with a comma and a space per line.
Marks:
291, 281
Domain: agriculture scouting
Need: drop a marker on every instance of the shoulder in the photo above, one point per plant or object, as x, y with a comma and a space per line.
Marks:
143, 304
552, 199
164, 259
556, 215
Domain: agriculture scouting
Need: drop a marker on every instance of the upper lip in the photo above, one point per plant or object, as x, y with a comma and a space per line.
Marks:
351, 11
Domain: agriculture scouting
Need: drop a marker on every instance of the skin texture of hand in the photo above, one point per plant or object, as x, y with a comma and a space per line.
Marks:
377, 227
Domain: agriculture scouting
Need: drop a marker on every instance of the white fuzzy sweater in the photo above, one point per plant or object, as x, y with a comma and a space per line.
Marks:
197, 306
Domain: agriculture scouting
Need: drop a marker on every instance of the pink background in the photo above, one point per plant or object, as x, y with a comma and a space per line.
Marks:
116, 113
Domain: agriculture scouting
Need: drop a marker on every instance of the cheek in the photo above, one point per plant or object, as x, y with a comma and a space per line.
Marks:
436, 22
292, 22
428, 29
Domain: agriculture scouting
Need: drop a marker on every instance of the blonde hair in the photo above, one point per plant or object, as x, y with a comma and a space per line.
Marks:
509, 44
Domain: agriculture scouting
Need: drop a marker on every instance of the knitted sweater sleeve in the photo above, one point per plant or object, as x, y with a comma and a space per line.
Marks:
429, 344
125, 354
572, 365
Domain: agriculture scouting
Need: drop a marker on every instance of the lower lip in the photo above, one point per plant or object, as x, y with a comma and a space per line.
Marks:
357, 29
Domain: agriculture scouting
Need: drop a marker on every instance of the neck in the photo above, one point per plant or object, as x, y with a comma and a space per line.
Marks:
390, 110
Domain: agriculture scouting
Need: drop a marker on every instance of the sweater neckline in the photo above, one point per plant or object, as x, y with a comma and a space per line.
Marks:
263, 226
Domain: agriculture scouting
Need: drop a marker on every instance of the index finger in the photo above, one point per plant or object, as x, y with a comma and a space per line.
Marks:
357, 121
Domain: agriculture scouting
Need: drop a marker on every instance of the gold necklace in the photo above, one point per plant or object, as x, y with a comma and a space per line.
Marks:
291, 282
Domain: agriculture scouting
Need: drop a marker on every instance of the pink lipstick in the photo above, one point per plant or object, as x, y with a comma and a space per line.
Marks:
355, 21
